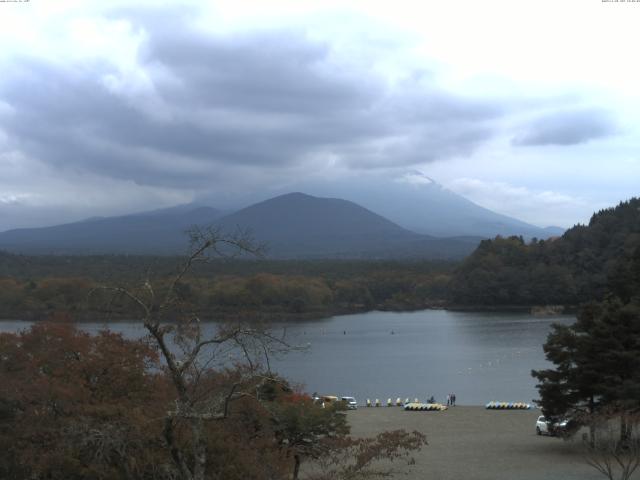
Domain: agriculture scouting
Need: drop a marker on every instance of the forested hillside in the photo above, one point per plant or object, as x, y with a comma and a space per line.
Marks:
582, 265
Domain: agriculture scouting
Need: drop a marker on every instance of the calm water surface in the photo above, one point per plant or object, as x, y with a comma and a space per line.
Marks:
479, 356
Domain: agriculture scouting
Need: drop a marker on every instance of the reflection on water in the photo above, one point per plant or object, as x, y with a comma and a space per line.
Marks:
478, 356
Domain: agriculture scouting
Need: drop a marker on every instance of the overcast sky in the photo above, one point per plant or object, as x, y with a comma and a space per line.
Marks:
529, 108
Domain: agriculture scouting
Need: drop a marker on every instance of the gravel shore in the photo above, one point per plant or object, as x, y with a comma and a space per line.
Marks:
472, 443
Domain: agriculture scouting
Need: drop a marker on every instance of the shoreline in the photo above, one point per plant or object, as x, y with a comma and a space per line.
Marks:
272, 317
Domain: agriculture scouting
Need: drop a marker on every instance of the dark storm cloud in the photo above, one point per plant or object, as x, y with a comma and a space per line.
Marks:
567, 128
272, 73
272, 100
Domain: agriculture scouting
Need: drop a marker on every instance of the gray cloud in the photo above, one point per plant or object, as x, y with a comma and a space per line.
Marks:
217, 104
567, 128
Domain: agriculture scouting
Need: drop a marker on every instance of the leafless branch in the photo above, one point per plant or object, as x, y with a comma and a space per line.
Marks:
198, 400
615, 453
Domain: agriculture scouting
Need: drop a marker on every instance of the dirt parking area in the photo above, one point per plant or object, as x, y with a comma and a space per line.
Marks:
472, 443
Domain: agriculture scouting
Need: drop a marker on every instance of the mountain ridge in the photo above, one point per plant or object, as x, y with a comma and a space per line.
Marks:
294, 225
419, 203
290, 225
132, 233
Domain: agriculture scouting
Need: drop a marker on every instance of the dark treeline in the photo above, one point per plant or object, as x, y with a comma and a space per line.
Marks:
36, 287
107, 267
581, 266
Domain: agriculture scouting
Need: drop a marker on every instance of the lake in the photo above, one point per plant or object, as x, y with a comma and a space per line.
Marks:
478, 356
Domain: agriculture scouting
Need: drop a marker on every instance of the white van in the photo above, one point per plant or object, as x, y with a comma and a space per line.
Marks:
350, 402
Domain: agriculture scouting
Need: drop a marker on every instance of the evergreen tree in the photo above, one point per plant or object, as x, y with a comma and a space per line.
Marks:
597, 363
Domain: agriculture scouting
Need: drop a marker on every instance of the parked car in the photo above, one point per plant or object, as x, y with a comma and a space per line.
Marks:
547, 426
350, 402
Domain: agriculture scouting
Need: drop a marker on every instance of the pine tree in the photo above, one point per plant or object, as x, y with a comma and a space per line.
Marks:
597, 363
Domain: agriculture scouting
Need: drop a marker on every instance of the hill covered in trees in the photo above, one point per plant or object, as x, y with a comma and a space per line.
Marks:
581, 266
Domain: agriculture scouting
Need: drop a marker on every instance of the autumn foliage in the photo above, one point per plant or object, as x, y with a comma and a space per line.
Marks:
80, 406
77, 406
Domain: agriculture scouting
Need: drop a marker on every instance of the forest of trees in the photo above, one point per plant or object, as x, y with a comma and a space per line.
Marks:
575, 268
39, 287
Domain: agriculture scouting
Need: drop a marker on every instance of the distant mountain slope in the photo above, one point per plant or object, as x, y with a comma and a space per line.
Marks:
422, 205
293, 226
554, 231
155, 232
300, 225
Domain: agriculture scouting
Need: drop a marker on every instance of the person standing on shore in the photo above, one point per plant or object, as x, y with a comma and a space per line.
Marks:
453, 399
448, 399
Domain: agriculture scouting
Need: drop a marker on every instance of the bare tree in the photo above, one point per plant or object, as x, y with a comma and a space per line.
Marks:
615, 450
189, 351
197, 360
